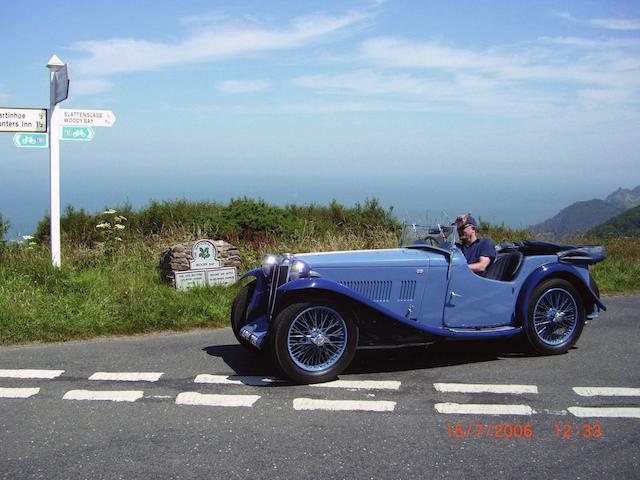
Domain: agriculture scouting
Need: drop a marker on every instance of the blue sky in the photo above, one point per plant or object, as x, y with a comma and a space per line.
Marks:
511, 110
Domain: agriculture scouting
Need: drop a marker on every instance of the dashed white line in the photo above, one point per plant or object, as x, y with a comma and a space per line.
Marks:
127, 376
483, 409
254, 381
30, 373
213, 400
109, 395
343, 405
484, 388
605, 412
18, 392
361, 384
607, 391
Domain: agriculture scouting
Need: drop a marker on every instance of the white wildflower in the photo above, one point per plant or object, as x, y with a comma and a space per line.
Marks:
103, 225
120, 219
28, 237
119, 227
110, 211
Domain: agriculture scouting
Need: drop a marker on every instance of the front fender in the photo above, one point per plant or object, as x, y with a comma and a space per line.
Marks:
554, 270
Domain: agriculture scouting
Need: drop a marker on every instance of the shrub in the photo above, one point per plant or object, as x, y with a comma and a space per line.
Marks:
4, 227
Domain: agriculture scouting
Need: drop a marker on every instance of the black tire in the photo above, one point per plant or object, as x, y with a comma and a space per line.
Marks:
239, 312
313, 342
555, 317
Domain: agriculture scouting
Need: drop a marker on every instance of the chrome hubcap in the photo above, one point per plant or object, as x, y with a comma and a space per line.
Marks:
317, 338
555, 316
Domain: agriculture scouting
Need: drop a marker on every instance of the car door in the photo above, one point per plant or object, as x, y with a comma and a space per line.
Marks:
472, 301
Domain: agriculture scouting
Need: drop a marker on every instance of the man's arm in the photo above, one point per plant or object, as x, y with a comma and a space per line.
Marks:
481, 265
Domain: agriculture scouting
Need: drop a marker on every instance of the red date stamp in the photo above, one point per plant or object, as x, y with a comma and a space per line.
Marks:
587, 431
563, 431
492, 430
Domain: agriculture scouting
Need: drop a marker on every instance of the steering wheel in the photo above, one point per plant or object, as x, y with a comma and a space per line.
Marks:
431, 240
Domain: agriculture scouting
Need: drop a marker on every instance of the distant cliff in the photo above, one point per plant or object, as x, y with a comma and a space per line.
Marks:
582, 216
627, 224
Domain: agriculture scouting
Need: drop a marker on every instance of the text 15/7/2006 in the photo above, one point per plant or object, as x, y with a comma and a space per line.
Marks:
564, 431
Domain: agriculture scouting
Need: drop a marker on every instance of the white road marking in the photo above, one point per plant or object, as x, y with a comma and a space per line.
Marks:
30, 373
127, 376
343, 405
112, 396
361, 384
255, 381
212, 400
485, 388
483, 409
18, 392
607, 391
605, 412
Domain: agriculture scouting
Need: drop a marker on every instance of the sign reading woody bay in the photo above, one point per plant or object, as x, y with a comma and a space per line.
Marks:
205, 268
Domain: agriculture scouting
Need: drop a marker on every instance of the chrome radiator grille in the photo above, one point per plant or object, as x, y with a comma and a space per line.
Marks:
280, 277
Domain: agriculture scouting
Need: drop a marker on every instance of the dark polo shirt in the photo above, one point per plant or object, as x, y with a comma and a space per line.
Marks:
482, 247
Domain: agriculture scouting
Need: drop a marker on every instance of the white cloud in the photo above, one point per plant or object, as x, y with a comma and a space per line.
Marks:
242, 86
121, 55
89, 86
606, 23
567, 63
615, 24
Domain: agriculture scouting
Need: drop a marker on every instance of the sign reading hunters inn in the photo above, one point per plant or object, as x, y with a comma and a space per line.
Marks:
205, 268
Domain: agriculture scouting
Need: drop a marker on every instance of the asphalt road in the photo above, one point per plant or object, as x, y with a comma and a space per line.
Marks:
394, 425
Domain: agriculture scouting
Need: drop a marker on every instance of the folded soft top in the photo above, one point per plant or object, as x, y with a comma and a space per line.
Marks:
590, 254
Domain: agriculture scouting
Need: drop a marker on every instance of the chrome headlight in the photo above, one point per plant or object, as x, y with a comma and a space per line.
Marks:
268, 264
299, 269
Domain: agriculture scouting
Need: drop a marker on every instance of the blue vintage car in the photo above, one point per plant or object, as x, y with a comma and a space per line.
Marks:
311, 311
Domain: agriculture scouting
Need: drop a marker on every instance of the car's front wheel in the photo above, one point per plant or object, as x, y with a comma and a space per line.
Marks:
314, 341
555, 317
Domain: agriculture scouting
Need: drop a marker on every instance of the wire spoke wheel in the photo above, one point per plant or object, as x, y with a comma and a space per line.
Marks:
556, 317
317, 338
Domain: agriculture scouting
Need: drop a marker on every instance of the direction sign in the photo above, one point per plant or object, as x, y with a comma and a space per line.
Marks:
36, 140
77, 133
87, 118
23, 119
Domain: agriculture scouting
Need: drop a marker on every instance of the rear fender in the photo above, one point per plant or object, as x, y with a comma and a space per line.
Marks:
555, 270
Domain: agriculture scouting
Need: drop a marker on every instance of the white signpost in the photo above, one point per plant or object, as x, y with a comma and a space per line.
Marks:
23, 120
30, 125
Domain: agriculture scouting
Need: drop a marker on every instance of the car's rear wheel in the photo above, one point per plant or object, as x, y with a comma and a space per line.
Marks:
314, 341
239, 311
555, 317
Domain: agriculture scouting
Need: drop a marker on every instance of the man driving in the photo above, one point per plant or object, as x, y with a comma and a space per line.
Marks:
479, 252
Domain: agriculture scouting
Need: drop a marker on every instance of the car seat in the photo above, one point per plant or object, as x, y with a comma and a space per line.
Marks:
504, 267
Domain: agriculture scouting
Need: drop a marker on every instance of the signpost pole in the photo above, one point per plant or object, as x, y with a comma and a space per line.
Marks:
54, 157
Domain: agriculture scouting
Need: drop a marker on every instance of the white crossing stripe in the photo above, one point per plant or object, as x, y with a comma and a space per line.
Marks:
483, 409
607, 391
605, 412
213, 400
255, 381
485, 388
30, 373
361, 384
127, 376
18, 392
109, 395
343, 405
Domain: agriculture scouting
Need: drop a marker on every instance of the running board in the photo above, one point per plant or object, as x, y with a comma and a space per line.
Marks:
485, 332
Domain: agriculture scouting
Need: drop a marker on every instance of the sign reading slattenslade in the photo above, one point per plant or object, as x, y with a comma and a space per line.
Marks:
23, 120
87, 118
